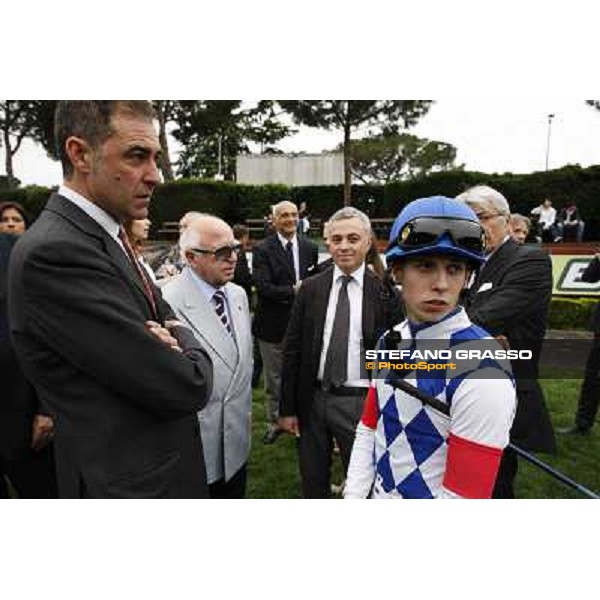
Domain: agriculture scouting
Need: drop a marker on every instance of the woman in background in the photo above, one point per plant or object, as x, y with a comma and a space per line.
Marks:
137, 231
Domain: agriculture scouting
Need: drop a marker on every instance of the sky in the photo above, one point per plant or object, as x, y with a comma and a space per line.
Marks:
490, 136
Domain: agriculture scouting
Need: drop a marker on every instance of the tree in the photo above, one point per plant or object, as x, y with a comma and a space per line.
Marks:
593, 103
351, 115
165, 112
214, 132
16, 123
389, 157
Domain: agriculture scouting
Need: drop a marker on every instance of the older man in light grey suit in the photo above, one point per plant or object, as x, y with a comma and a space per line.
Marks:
217, 312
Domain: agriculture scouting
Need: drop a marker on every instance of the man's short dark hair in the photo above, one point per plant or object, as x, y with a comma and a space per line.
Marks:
90, 120
240, 231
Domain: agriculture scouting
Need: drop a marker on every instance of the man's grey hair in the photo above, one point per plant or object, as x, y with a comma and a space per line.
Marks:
191, 237
484, 196
517, 218
349, 212
276, 208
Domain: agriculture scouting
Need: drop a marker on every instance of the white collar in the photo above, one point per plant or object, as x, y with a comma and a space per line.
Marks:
284, 240
106, 221
358, 275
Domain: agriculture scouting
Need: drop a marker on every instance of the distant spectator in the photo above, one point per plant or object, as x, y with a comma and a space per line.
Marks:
519, 227
171, 263
137, 231
589, 398
268, 224
373, 260
242, 275
13, 218
547, 219
303, 226
26, 425
569, 223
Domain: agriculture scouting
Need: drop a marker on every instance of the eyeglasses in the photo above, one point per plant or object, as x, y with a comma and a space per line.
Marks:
487, 216
223, 253
425, 231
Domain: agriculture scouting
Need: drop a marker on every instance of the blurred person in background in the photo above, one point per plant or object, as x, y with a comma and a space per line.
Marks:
137, 231
519, 227
26, 428
13, 218
510, 297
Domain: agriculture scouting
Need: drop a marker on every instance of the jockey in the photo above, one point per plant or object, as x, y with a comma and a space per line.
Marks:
405, 448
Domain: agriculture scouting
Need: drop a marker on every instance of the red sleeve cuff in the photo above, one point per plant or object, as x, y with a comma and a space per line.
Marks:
370, 411
471, 468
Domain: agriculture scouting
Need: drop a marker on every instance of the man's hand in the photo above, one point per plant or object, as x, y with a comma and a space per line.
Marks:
290, 424
297, 286
42, 432
503, 341
163, 334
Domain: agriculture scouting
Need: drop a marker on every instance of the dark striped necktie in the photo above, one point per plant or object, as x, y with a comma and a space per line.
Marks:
335, 372
219, 300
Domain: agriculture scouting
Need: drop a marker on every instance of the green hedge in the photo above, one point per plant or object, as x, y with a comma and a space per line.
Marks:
238, 202
571, 313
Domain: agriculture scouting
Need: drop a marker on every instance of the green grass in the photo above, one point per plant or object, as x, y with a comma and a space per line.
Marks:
273, 470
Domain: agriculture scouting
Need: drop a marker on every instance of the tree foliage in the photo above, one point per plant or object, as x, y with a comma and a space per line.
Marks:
389, 157
17, 122
214, 132
351, 115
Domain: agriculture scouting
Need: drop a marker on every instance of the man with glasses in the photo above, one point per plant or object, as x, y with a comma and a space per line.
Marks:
279, 264
510, 297
217, 311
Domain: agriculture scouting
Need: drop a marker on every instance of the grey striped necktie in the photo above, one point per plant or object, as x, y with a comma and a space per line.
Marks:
219, 300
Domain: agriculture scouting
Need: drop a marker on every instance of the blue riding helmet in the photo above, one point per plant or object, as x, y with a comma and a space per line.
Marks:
436, 225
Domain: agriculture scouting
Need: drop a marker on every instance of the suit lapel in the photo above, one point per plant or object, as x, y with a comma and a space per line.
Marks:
369, 301
321, 301
83, 221
238, 319
304, 251
203, 319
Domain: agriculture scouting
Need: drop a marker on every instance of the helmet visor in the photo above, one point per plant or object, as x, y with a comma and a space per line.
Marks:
426, 231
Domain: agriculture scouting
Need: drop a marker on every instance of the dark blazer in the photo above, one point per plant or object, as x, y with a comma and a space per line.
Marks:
18, 400
303, 343
592, 275
274, 281
243, 277
124, 404
511, 296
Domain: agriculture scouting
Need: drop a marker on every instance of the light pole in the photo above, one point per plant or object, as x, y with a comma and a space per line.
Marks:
550, 117
219, 176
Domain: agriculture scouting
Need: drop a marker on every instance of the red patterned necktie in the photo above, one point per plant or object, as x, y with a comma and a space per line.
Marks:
140, 270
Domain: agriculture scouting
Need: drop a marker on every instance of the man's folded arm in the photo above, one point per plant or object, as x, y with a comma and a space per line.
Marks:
82, 307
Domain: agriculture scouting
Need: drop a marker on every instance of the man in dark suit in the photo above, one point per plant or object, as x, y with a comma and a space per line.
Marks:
26, 453
337, 315
122, 382
589, 399
279, 264
510, 297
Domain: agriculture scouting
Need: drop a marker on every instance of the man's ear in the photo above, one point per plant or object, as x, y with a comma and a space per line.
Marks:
80, 154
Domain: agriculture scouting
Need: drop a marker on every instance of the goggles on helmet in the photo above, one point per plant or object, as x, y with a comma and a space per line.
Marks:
427, 231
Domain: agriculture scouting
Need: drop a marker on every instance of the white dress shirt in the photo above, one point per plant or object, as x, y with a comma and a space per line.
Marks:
355, 342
